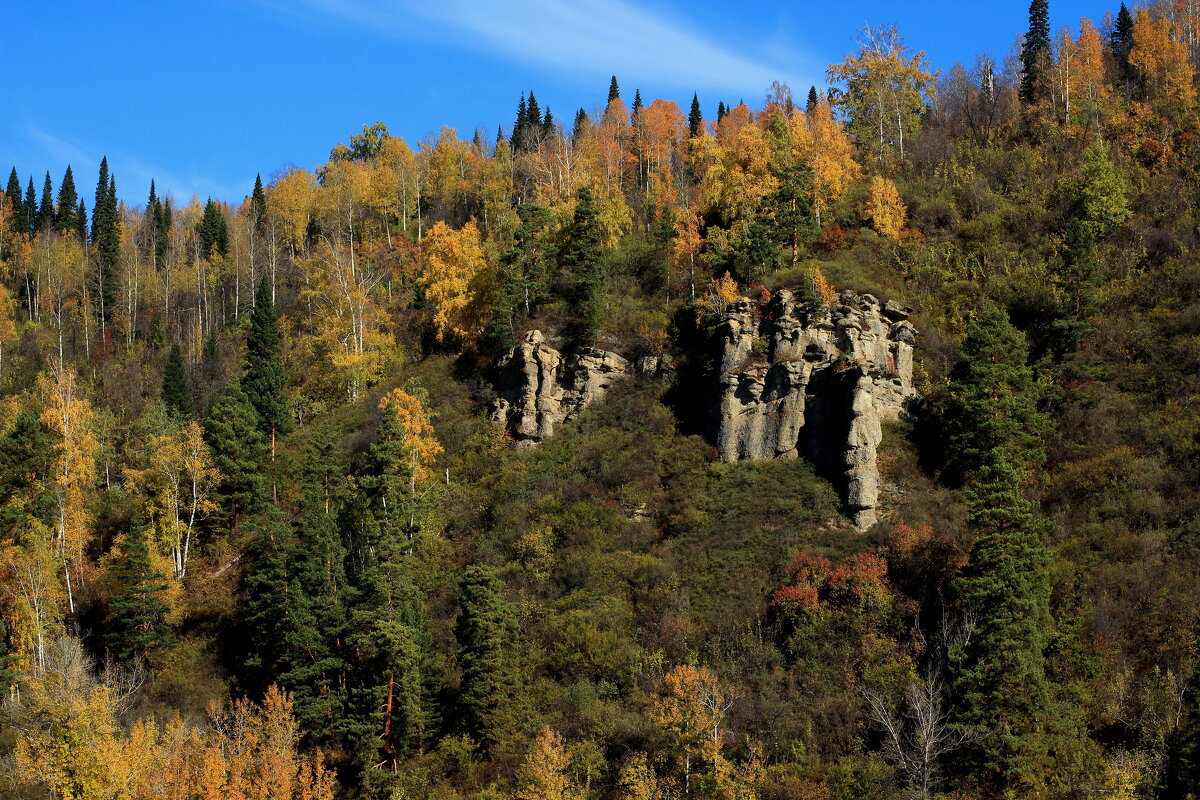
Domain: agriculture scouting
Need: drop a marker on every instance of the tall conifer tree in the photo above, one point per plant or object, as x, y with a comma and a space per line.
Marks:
695, 117
138, 609
66, 217
106, 240
20, 222
176, 394
1036, 52
233, 431
265, 378
31, 208
45, 215
614, 91
485, 632
580, 262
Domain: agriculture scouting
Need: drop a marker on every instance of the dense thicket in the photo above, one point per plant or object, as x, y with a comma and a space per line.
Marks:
245, 453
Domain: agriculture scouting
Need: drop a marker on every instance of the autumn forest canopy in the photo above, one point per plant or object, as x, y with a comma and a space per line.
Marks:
276, 520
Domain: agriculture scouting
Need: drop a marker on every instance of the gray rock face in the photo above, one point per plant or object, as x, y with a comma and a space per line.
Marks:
540, 388
791, 384
794, 384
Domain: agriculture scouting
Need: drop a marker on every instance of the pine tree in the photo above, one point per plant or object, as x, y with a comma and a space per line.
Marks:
106, 239
20, 221
266, 605
233, 431
265, 378
137, 611
581, 121
790, 209
547, 123
26, 454
614, 91
45, 214
517, 140
485, 632
153, 244
1120, 43
258, 204
533, 122
994, 400
579, 260
392, 710
66, 218
164, 220
695, 117
313, 666
176, 393
1035, 52
524, 275
813, 99
213, 231
721, 111
999, 681
31, 207
637, 102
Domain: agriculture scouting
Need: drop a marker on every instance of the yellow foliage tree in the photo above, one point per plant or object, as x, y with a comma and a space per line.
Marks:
721, 292
690, 708
411, 422
543, 775
825, 145
290, 201
70, 418
884, 207
455, 274
1160, 58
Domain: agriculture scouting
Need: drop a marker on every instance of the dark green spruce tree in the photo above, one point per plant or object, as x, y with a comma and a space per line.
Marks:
31, 207
106, 243
392, 709
265, 605
637, 102
240, 451
695, 117
265, 379
1036, 53
1024, 733
486, 632
580, 263
213, 231
1120, 42
20, 221
524, 274
138, 610
258, 204
614, 91
581, 121
45, 214
66, 219
813, 99
176, 392
26, 453
313, 665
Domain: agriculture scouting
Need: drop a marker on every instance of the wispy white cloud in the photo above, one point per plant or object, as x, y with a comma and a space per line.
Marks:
132, 173
580, 36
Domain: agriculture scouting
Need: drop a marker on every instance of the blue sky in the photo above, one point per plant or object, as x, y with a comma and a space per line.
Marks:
203, 94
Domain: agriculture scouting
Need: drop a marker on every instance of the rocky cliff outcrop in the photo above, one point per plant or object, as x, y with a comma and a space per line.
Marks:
797, 382
539, 388
793, 382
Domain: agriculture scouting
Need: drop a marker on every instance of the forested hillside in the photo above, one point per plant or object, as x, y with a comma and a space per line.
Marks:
261, 536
